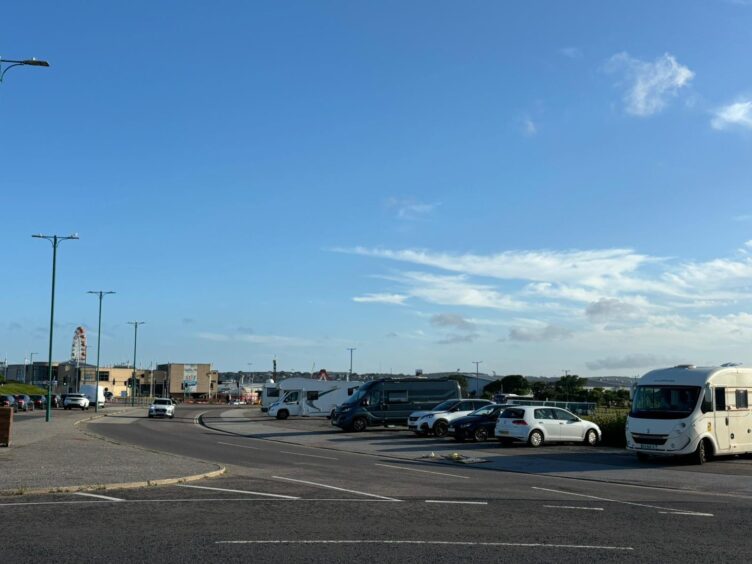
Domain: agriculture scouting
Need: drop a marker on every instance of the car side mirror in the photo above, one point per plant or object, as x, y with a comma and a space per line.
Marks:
364, 402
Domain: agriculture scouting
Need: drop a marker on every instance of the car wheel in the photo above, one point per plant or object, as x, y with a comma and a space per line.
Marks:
642, 457
700, 456
283, 414
172, 416
535, 439
481, 434
440, 428
359, 424
591, 437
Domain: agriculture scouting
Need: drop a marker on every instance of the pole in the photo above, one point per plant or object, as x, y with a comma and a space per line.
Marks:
31, 368
349, 375
135, 342
476, 363
101, 294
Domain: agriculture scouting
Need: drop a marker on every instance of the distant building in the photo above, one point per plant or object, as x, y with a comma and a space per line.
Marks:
195, 381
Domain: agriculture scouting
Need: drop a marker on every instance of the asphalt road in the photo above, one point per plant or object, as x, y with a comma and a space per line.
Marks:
284, 503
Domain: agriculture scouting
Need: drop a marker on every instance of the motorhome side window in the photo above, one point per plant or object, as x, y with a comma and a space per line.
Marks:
707, 401
272, 392
741, 399
312, 395
720, 399
396, 396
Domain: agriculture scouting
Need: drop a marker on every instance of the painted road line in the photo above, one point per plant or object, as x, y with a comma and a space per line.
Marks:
423, 471
237, 491
196, 500
668, 509
105, 497
238, 446
573, 507
457, 502
692, 513
336, 488
428, 543
310, 455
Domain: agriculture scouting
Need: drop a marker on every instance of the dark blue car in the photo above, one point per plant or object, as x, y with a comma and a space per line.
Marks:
478, 425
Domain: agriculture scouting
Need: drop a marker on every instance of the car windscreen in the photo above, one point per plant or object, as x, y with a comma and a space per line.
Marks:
664, 402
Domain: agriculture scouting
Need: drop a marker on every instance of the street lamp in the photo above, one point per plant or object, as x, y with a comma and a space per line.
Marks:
26, 62
350, 373
135, 340
55, 240
101, 294
476, 363
31, 368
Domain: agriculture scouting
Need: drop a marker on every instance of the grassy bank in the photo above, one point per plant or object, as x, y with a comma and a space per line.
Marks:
12, 388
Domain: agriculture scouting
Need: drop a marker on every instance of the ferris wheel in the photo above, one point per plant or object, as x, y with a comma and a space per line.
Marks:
78, 350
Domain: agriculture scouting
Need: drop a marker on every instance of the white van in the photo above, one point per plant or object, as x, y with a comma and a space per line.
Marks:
311, 397
90, 391
687, 410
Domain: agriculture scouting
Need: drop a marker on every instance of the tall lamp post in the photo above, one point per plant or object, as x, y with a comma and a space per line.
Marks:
101, 294
349, 375
31, 368
135, 341
55, 240
476, 363
26, 62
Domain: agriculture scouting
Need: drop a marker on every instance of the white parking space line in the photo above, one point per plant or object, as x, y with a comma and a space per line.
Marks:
238, 446
573, 507
423, 471
310, 455
335, 488
438, 543
457, 502
666, 509
237, 491
89, 502
105, 497
691, 513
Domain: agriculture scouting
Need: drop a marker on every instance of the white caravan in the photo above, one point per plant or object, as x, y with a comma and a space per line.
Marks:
307, 397
686, 410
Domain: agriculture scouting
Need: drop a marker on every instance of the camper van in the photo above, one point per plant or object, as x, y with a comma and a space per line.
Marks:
687, 410
390, 401
307, 397
269, 394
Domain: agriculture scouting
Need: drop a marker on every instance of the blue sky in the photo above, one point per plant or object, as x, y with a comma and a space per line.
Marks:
539, 186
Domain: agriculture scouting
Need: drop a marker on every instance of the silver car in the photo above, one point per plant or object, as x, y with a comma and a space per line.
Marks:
76, 400
535, 424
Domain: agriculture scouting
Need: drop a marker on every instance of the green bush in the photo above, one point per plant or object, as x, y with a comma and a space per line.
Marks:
612, 426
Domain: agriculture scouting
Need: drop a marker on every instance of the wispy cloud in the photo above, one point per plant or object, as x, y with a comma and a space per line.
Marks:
410, 209
539, 334
276, 340
637, 360
571, 52
394, 299
457, 339
736, 115
649, 84
452, 320
528, 126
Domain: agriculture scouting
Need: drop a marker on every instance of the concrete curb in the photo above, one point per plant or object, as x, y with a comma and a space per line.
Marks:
120, 485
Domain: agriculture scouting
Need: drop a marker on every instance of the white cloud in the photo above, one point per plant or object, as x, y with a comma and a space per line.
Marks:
610, 309
275, 340
738, 114
457, 339
650, 84
539, 334
529, 129
637, 360
395, 299
457, 291
411, 210
571, 52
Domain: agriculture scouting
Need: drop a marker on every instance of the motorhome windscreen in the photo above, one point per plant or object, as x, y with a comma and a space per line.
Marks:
664, 402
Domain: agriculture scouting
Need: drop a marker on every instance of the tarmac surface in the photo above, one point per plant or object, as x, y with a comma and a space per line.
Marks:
60, 455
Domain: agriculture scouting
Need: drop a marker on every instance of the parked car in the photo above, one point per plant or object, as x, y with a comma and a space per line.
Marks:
437, 420
24, 402
76, 400
39, 400
478, 425
7, 400
162, 407
538, 424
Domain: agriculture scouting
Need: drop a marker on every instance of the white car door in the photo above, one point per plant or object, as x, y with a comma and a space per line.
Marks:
572, 427
546, 419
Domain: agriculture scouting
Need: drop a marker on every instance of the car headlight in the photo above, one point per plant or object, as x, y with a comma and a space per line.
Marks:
344, 409
429, 416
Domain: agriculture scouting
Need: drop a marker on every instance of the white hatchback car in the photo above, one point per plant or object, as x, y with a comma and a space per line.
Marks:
536, 424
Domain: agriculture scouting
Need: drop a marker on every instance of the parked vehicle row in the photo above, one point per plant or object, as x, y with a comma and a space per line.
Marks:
25, 402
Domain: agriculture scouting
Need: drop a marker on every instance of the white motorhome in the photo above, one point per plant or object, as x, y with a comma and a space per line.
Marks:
687, 410
307, 397
269, 394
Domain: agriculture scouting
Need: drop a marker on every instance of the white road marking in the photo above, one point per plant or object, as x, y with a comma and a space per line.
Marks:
668, 509
311, 455
573, 507
237, 491
457, 502
692, 513
439, 543
238, 446
423, 471
195, 500
105, 497
335, 488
